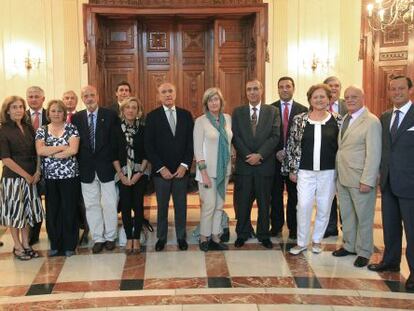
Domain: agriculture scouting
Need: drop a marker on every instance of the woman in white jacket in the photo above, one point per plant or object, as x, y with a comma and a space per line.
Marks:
212, 148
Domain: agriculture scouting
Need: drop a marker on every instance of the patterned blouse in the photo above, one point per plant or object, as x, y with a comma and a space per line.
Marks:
294, 145
53, 168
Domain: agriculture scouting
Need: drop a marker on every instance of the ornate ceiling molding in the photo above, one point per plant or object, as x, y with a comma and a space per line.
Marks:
175, 3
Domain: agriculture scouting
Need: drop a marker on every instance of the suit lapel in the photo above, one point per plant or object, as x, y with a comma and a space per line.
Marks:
84, 120
263, 119
100, 119
354, 125
406, 123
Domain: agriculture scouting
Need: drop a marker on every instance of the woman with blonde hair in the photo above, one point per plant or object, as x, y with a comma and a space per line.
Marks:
131, 168
58, 143
212, 150
20, 204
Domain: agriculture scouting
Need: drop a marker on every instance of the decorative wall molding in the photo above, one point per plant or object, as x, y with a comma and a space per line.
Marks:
175, 3
398, 55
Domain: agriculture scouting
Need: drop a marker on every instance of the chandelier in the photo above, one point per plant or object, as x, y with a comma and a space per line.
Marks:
384, 14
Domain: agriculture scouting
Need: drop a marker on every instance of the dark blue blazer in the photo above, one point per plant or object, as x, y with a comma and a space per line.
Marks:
162, 147
99, 161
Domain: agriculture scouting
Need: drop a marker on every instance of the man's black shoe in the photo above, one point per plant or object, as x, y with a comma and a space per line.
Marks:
342, 252
239, 242
204, 246
361, 262
97, 247
182, 244
159, 246
214, 246
383, 267
267, 243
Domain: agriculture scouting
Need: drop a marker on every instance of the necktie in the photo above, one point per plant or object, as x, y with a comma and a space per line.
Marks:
91, 129
171, 120
285, 122
69, 117
36, 121
345, 124
394, 126
254, 120
331, 107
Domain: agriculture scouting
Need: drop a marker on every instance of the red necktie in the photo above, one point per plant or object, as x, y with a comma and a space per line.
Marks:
331, 108
36, 120
285, 122
69, 117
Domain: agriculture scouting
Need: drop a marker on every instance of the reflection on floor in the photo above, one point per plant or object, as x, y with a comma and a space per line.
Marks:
251, 278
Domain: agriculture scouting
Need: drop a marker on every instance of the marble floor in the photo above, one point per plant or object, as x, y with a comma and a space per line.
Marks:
250, 278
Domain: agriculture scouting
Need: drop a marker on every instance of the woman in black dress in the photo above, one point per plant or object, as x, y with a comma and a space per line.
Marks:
20, 204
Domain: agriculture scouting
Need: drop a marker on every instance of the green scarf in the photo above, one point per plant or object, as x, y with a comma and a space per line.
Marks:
223, 154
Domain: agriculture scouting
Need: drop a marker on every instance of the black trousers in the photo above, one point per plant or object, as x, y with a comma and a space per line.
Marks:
397, 211
131, 198
277, 215
177, 187
62, 197
253, 187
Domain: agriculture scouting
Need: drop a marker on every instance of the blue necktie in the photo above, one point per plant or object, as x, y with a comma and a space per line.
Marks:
91, 129
394, 127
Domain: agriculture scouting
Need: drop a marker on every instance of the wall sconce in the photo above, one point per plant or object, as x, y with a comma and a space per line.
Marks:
29, 62
316, 62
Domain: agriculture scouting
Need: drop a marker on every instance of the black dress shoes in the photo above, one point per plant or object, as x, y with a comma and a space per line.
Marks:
159, 246
361, 262
110, 245
267, 243
204, 246
409, 285
383, 267
239, 242
182, 244
214, 246
97, 247
342, 252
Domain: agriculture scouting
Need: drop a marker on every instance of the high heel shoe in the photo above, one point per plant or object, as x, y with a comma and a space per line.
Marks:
21, 255
137, 246
31, 252
129, 246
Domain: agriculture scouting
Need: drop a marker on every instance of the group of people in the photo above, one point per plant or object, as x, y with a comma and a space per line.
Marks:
98, 160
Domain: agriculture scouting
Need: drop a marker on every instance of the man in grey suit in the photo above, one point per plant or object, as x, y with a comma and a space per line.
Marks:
256, 131
336, 105
397, 178
357, 163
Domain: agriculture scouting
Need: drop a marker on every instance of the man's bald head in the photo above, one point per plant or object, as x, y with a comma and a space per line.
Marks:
354, 98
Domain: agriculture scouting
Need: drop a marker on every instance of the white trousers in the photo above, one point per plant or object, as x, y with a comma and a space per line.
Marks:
211, 209
101, 209
319, 185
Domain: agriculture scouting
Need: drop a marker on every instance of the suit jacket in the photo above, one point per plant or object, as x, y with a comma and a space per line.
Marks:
44, 117
162, 147
264, 142
100, 160
343, 110
397, 165
114, 107
296, 109
359, 152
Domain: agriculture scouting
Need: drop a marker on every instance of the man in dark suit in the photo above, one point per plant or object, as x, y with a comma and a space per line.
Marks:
397, 178
337, 105
169, 147
95, 159
122, 91
287, 108
35, 97
256, 129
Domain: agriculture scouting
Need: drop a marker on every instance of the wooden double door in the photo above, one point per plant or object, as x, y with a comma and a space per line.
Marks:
194, 52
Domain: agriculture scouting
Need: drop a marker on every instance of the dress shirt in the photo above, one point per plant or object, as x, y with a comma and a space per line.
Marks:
282, 107
257, 111
335, 106
403, 111
355, 115
32, 115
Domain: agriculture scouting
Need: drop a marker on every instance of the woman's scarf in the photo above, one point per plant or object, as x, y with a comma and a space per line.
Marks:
129, 131
223, 154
